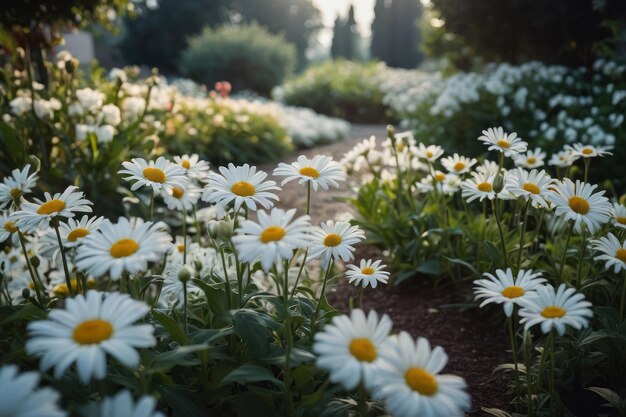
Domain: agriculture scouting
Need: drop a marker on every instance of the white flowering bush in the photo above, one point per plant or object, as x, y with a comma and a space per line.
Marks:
534, 235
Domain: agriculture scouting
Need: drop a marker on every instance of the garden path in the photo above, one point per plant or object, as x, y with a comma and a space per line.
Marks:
473, 340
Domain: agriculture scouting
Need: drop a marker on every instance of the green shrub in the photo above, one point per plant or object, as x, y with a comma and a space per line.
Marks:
247, 55
340, 88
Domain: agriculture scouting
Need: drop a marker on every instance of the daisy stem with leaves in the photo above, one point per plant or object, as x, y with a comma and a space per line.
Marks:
502, 242
564, 255
523, 231
30, 268
289, 343
319, 302
225, 269
68, 279
307, 209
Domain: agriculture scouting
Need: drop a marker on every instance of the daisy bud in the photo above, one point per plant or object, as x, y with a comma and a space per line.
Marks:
226, 229
214, 229
70, 66
391, 134
198, 265
185, 274
26, 293
34, 260
498, 183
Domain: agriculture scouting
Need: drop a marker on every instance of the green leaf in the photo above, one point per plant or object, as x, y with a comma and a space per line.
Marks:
172, 327
178, 398
430, 267
25, 312
180, 356
251, 373
465, 264
493, 252
253, 331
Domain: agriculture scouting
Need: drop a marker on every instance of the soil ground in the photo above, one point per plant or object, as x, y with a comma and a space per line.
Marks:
474, 341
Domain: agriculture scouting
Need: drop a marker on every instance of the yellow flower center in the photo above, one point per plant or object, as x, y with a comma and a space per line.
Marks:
429, 154
185, 164
368, 270
154, 175
178, 192
620, 220
587, 151
440, 177
531, 160
52, 206
621, 254
485, 187
77, 233
363, 349
579, 205
272, 234
459, 166
531, 188
180, 247
16, 193
309, 172
513, 291
332, 239
503, 143
123, 248
243, 189
553, 312
9, 226
61, 290
421, 381
92, 331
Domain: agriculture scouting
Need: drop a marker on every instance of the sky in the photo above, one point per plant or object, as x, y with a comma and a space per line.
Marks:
363, 14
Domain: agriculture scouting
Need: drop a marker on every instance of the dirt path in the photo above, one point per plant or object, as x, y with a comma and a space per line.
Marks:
474, 342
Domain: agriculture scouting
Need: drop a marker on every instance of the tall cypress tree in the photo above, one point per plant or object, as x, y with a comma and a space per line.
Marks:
337, 49
395, 34
345, 37
379, 47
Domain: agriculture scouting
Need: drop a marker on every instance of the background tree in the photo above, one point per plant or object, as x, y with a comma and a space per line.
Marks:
556, 31
345, 37
395, 32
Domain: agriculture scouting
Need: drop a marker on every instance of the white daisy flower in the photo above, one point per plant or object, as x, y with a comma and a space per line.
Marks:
480, 186
534, 185
532, 159
578, 150
193, 166
20, 397
349, 347
504, 288
178, 197
58, 285
17, 185
157, 175
122, 404
38, 214
619, 216
409, 382
555, 309
334, 240
273, 238
124, 246
488, 168
457, 164
368, 272
430, 153
242, 184
320, 171
7, 228
578, 202
498, 140
613, 252
173, 289
562, 159
86, 330
74, 231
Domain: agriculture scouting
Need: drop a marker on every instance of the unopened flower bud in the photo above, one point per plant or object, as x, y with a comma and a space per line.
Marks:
498, 183
214, 229
185, 273
70, 65
391, 134
226, 229
34, 260
198, 265
26, 293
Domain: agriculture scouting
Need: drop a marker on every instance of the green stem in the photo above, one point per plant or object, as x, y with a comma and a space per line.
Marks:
514, 349
361, 291
307, 209
68, 279
521, 239
319, 302
564, 255
551, 348
587, 163
185, 305
581, 257
363, 411
30, 268
226, 280
502, 242
151, 209
289, 342
527, 363
184, 235
623, 298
